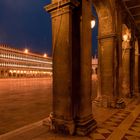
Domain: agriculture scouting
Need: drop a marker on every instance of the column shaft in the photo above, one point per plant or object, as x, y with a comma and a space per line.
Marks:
84, 121
126, 69
107, 71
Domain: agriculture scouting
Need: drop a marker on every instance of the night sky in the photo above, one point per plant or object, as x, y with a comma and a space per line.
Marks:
25, 24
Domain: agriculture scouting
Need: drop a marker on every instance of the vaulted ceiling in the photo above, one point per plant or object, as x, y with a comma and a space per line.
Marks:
133, 7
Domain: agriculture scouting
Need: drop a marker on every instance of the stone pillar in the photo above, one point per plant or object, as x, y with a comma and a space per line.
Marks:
71, 66
84, 121
132, 64
139, 64
126, 69
136, 67
107, 44
62, 34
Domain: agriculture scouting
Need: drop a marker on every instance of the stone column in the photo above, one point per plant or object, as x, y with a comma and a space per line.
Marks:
71, 66
126, 69
136, 67
65, 40
132, 64
84, 121
139, 64
107, 44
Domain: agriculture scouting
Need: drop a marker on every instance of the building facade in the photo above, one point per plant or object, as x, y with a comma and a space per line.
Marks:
15, 63
94, 65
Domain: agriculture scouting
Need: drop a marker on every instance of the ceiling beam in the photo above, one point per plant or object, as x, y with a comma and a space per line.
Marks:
130, 14
132, 7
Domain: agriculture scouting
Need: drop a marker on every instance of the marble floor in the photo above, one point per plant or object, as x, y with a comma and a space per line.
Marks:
124, 124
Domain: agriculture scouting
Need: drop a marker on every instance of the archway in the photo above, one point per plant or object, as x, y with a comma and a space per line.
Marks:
106, 51
72, 62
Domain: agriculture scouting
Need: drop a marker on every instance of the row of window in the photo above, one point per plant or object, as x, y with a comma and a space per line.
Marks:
24, 66
10, 56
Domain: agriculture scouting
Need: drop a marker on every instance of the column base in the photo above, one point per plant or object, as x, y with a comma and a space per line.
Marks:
85, 125
63, 126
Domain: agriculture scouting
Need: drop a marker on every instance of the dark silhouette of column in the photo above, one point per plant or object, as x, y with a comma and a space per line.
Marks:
139, 64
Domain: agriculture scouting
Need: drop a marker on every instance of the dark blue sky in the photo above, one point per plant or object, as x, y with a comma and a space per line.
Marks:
25, 24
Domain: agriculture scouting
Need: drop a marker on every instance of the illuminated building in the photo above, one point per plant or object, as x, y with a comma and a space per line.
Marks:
94, 65
22, 63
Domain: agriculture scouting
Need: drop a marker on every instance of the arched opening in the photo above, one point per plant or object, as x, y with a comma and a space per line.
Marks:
94, 55
106, 53
72, 43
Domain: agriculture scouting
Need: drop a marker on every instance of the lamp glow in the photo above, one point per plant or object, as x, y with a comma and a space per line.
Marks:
26, 51
45, 55
125, 37
93, 23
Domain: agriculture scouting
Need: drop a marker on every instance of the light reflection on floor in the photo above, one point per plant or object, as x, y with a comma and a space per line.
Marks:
27, 100
23, 101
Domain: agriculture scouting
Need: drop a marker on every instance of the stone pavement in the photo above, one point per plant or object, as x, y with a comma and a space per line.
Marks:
113, 124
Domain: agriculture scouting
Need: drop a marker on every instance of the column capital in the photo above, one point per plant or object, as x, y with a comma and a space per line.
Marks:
54, 6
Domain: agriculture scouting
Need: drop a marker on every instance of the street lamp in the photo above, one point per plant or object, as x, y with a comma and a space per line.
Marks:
26, 51
93, 22
45, 55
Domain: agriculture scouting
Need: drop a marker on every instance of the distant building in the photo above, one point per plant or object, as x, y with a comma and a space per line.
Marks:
94, 65
16, 63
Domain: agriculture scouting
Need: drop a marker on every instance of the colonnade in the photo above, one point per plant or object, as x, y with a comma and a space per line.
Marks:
118, 60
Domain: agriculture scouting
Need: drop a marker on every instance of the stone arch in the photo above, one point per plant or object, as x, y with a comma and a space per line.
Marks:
72, 105
106, 49
105, 16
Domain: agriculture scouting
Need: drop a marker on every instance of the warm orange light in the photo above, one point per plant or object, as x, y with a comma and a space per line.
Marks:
10, 71
14, 71
26, 51
125, 37
45, 55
